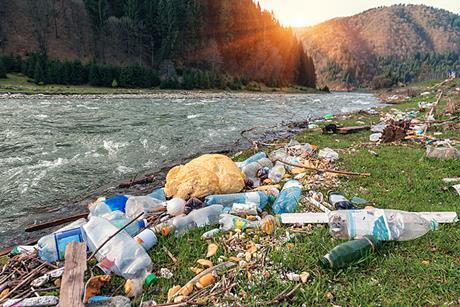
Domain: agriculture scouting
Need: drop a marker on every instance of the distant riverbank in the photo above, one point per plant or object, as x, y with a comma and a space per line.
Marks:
18, 84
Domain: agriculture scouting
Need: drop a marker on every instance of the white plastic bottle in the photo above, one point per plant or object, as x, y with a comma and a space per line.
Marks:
382, 224
121, 255
250, 170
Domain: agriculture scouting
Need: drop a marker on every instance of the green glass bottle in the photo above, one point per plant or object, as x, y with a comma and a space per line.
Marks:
346, 253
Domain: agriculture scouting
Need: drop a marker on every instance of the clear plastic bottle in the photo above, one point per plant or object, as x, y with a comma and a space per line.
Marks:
288, 198
135, 205
230, 222
281, 154
101, 207
382, 224
51, 248
277, 172
253, 158
261, 198
197, 218
119, 220
340, 202
250, 170
158, 194
121, 255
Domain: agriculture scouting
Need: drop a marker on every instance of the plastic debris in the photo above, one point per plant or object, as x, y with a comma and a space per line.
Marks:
328, 154
166, 273
175, 206
32, 301
288, 197
116, 301
212, 250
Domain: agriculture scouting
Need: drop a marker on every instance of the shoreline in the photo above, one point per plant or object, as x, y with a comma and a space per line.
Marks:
154, 178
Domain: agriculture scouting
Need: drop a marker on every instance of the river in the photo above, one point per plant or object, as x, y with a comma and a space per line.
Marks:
53, 149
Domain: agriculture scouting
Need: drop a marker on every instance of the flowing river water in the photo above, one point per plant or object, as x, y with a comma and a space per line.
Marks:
53, 149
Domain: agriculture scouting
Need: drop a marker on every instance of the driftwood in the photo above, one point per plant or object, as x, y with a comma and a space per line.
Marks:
72, 285
347, 130
324, 170
56, 222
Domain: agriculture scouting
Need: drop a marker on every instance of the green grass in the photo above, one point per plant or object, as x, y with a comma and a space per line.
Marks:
402, 178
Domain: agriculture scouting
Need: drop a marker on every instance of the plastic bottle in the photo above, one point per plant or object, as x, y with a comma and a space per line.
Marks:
250, 169
158, 194
340, 202
230, 222
277, 172
175, 206
281, 154
121, 255
101, 207
288, 198
382, 224
253, 158
119, 220
197, 218
146, 238
51, 248
32, 301
261, 198
135, 205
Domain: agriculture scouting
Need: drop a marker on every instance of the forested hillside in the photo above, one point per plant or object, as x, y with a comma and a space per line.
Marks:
142, 43
385, 45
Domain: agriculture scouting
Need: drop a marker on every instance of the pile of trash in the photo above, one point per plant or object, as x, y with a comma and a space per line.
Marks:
246, 202
398, 126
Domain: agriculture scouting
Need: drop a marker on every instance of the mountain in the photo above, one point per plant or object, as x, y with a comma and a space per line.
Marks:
400, 43
188, 43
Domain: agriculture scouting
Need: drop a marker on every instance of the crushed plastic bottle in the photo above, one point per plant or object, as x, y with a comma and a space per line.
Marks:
121, 255
251, 170
349, 252
51, 248
115, 301
281, 154
135, 205
288, 198
340, 202
382, 224
277, 172
197, 218
261, 198
253, 158
243, 209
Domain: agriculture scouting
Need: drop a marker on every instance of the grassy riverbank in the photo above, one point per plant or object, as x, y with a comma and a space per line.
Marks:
424, 271
20, 84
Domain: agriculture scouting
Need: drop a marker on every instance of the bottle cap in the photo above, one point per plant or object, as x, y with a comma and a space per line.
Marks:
325, 262
150, 279
271, 198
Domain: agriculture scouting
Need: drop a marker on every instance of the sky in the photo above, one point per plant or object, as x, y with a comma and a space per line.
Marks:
298, 13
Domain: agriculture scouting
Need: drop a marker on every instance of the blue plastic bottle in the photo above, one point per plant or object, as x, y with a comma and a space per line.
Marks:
253, 158
158, 194
288, 198
227, 200
51, 248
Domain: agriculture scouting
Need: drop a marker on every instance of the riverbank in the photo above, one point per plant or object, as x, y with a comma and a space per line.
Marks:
424, 271
18, 85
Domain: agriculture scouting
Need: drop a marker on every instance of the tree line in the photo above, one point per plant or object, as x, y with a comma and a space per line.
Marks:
388, 71
180, 42
45, 71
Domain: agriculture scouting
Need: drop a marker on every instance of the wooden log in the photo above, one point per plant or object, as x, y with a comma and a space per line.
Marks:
72, 285
347, 130
56, 222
